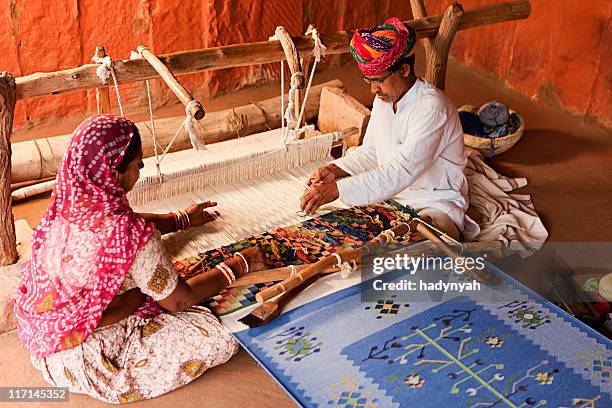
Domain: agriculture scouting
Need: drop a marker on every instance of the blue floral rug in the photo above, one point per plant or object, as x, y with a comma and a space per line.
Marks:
351, 350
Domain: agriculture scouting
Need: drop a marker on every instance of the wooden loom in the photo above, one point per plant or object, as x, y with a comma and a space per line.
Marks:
437, 31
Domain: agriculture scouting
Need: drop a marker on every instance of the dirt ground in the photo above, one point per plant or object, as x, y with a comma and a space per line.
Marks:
566, 161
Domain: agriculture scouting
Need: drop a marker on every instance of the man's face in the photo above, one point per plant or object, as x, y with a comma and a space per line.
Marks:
389, 86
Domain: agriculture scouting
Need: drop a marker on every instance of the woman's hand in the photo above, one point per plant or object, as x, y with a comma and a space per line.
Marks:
198, 215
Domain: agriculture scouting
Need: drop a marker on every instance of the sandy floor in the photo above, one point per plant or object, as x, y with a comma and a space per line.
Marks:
566, 161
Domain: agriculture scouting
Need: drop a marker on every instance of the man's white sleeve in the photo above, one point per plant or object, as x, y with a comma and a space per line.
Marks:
362, 158
421, 147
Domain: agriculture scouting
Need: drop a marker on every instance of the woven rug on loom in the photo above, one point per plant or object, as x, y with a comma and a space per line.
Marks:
343, 350
297, 245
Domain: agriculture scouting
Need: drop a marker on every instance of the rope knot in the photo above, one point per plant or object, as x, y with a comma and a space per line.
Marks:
319, 49
104, 70
346, 268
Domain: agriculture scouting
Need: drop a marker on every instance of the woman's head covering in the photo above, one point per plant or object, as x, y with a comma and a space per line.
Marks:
84, 245
378, 48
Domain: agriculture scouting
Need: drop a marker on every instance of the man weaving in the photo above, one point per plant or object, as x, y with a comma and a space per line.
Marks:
413, 146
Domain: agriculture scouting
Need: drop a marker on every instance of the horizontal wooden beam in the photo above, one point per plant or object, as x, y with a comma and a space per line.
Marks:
180, 63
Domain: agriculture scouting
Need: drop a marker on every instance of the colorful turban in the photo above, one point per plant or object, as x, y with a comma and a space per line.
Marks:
378, 48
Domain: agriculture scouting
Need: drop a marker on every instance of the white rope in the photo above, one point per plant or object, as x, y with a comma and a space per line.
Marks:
346, 268
386, 237
291, 135
293, 270
188, 126
138, 55
318, 51
290, 111
106, 71
153, 133
192, 170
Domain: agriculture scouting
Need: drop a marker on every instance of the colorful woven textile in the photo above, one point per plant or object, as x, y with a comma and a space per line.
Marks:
343, 350
299, 244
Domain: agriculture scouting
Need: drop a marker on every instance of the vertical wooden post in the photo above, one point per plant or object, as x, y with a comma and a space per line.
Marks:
102, 94
294, 62
8, 240
437, 57
418, 11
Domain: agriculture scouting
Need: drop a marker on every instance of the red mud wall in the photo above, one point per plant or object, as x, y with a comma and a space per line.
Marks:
560, 55
42, 35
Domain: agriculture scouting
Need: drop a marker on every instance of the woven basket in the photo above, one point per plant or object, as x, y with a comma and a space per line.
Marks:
490, 147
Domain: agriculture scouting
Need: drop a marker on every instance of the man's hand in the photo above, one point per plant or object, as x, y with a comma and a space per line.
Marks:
326, 174
321, 175
198, 215
317, 195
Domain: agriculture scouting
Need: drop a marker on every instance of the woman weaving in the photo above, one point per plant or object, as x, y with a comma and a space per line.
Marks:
101, 308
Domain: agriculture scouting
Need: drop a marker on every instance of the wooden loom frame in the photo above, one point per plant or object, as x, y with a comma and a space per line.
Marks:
437, 33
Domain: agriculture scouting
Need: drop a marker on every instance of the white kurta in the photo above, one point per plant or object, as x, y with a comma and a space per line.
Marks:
415, 155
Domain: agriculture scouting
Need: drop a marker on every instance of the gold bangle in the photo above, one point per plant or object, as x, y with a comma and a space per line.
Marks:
181, 218
185, 217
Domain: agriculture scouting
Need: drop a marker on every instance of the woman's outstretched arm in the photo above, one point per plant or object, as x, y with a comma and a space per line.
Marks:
207, 284
198, 216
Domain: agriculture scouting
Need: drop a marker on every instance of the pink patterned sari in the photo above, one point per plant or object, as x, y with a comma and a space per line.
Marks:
85, 244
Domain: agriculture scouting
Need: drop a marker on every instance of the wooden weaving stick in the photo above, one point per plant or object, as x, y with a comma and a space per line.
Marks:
481, 276
279, 274
326, 262
197, 111
271, 309
273, 275
354, 254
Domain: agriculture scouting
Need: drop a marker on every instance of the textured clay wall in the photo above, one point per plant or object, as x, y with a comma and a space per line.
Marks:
43, 35
561, 55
